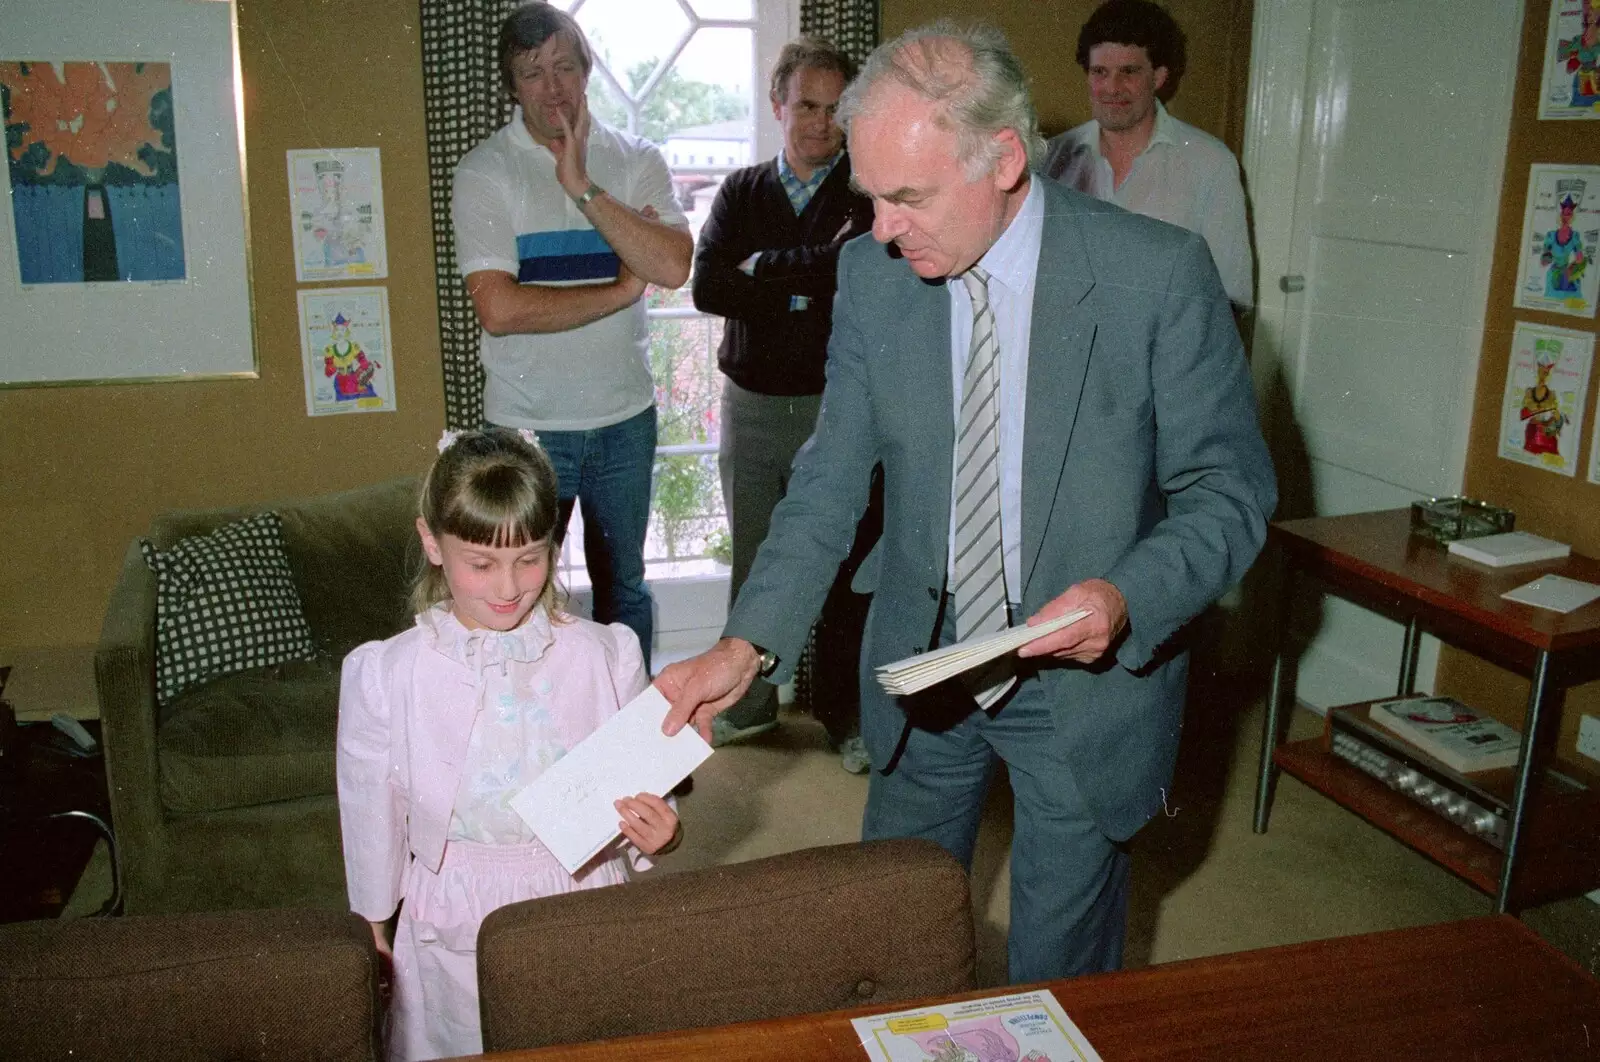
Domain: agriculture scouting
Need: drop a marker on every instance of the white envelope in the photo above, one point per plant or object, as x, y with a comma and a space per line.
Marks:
569, 806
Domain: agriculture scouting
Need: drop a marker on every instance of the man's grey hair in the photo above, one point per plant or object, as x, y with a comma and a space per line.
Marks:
978, 98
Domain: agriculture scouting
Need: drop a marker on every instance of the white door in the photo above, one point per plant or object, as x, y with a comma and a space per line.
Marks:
1375, 155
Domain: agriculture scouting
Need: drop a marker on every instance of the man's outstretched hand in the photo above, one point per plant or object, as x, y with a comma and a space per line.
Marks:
702, 686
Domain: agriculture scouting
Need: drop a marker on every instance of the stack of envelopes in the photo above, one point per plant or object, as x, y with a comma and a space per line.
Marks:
918, 672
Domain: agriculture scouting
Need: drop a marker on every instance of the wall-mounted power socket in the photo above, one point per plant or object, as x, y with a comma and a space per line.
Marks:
1589, 736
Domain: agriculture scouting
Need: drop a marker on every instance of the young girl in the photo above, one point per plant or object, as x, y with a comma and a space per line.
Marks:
441, 725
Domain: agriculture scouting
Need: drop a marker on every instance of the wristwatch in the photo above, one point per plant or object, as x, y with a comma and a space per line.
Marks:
588, 194
766, 661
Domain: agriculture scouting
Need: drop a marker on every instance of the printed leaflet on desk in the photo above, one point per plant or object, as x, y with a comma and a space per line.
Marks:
1554, 592
569, 806
1022, 1027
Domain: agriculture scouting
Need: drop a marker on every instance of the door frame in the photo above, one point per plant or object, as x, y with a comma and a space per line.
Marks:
1275, 106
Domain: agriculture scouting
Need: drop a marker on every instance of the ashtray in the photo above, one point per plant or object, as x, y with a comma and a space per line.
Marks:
1448, 519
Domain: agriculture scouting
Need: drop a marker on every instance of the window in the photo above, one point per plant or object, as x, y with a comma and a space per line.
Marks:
683, 73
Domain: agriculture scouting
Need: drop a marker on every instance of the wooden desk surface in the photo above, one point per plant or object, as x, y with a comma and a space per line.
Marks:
1377, 550
1483, 989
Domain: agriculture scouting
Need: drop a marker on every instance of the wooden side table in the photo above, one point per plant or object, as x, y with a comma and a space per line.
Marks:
1373, 560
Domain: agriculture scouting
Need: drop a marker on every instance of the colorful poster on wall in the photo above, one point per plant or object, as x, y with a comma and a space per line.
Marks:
337, 201
1560, 229
344, 343
1542, 407
1571, 85
93, 162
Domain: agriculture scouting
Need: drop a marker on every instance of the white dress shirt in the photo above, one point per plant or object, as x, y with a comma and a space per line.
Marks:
1185, 176
1012, 264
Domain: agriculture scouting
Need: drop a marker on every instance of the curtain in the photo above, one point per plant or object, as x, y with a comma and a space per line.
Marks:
852, 25
463, 105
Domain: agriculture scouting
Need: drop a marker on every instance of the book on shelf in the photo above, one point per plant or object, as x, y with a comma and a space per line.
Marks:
1513, 547
1453, 733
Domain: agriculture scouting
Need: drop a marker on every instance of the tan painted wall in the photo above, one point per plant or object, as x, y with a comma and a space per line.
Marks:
1545, 503
1044, 34
83, 469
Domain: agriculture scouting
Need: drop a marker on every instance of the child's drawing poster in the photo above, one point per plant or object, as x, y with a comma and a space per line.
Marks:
1560, 229
92, 155
1571, 84
337, 198
344, 342
1542, 408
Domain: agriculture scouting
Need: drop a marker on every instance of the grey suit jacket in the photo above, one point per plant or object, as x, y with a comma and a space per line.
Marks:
1143, 465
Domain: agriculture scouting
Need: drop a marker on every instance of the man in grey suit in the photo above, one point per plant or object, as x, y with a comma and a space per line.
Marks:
1061, 405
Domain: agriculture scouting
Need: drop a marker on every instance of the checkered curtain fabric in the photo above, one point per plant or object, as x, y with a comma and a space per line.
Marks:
852, 25
464, 105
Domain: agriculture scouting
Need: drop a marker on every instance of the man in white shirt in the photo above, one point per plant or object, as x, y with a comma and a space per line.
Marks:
1136, 155
560, 222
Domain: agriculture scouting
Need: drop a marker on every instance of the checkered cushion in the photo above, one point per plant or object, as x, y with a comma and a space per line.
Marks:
225, 602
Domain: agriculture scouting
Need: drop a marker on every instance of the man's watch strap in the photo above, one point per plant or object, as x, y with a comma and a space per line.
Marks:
588, 194
766, 661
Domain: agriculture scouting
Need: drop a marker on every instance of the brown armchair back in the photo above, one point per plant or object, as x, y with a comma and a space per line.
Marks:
814, 930
279, 984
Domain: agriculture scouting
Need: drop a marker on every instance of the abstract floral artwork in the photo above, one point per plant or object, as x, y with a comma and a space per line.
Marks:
93, 158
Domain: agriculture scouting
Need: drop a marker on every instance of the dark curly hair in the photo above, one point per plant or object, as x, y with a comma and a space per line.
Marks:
1140, 24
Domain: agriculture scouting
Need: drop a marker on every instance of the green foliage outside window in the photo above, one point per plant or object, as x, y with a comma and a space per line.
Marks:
688, 391
677, 103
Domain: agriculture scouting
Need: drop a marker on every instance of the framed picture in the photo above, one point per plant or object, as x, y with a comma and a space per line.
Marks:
123, 251
337, 199
1571, 85
344, 344
1560, 228
1542, 406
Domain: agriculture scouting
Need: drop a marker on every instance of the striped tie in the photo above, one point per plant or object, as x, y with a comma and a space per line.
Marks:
980, 584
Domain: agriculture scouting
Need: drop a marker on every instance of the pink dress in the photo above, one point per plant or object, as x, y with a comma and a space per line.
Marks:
438, 728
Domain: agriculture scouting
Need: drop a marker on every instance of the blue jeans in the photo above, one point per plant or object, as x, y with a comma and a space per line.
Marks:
608, 472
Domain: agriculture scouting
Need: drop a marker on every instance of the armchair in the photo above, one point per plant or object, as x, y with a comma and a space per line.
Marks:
191, 988
224, 797
813, 930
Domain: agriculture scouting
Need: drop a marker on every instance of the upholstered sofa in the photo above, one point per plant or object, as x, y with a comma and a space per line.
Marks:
277, 984
223, 796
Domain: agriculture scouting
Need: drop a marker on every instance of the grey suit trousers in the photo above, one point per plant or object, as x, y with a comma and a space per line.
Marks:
760, 436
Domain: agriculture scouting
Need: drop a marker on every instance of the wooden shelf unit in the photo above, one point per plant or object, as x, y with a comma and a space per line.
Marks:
1553, 848
1561, 826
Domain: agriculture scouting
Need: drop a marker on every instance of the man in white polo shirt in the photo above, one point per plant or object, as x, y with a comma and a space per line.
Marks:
560, 223
1136, 155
